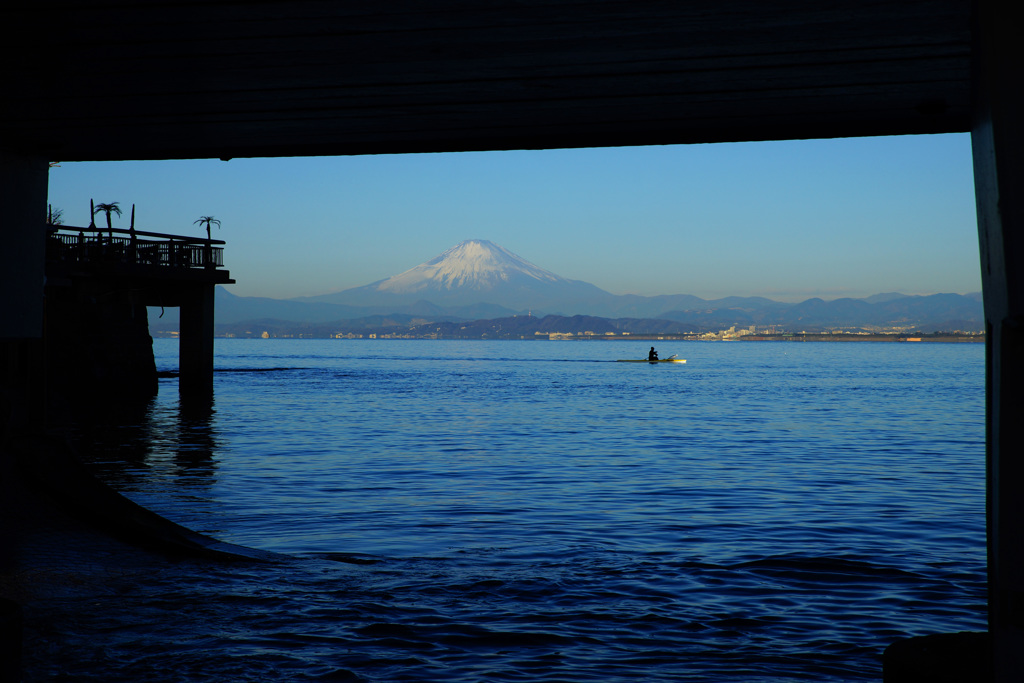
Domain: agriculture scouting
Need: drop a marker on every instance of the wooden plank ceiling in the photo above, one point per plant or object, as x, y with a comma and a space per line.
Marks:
196, 79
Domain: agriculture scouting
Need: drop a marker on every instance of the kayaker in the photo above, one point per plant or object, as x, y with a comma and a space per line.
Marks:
652, 355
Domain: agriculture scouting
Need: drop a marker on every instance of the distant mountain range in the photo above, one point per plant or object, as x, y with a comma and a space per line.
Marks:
478, 279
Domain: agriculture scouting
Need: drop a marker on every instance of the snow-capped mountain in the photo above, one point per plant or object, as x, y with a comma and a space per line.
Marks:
478, 265
473, 272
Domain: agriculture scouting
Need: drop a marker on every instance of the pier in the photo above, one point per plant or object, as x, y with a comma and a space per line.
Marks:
99, 283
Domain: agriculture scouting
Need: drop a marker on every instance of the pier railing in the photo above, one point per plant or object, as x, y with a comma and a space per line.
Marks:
97, 246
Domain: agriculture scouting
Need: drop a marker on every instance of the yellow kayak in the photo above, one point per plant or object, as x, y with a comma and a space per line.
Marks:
660, 360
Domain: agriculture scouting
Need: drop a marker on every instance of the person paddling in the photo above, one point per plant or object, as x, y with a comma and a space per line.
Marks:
652, 354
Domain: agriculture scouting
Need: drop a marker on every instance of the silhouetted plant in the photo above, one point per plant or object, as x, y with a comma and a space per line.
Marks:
208, 221
54, 216
108, 209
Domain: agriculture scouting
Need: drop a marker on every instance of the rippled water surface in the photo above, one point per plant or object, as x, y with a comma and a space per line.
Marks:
532, 511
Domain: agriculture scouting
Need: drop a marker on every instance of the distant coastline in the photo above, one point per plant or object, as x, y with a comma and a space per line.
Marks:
841, 337
939, 337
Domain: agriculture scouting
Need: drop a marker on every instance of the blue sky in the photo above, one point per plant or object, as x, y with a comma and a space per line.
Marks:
787, 220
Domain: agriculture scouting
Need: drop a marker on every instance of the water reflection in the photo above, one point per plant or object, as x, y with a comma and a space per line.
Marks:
165, 437
195, 437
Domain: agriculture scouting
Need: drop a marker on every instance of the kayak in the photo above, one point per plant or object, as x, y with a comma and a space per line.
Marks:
660, 360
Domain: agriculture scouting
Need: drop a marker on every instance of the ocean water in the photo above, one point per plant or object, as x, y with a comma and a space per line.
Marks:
534, 511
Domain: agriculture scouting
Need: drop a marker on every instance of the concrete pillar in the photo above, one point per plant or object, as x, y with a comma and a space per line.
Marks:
195, 344
998, 145
98, 347
23, 190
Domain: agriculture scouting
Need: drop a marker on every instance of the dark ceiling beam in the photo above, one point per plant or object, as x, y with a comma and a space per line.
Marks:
182, 79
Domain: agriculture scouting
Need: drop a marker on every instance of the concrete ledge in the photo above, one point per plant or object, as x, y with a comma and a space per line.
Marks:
10, 640
62, 490
964, 657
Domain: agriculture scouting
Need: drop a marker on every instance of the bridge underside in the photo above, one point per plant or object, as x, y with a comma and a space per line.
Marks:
187, 79
200, 79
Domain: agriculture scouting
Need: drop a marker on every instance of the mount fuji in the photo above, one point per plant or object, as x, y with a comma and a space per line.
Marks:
475, 272
477, 280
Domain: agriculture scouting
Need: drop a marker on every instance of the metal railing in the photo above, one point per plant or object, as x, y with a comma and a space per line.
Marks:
94, 245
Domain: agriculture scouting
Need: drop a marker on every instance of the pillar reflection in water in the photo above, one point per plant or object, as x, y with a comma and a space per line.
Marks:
168, 441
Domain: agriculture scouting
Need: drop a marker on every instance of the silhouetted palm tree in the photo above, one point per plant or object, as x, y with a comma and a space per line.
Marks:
208, 220
112, 207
